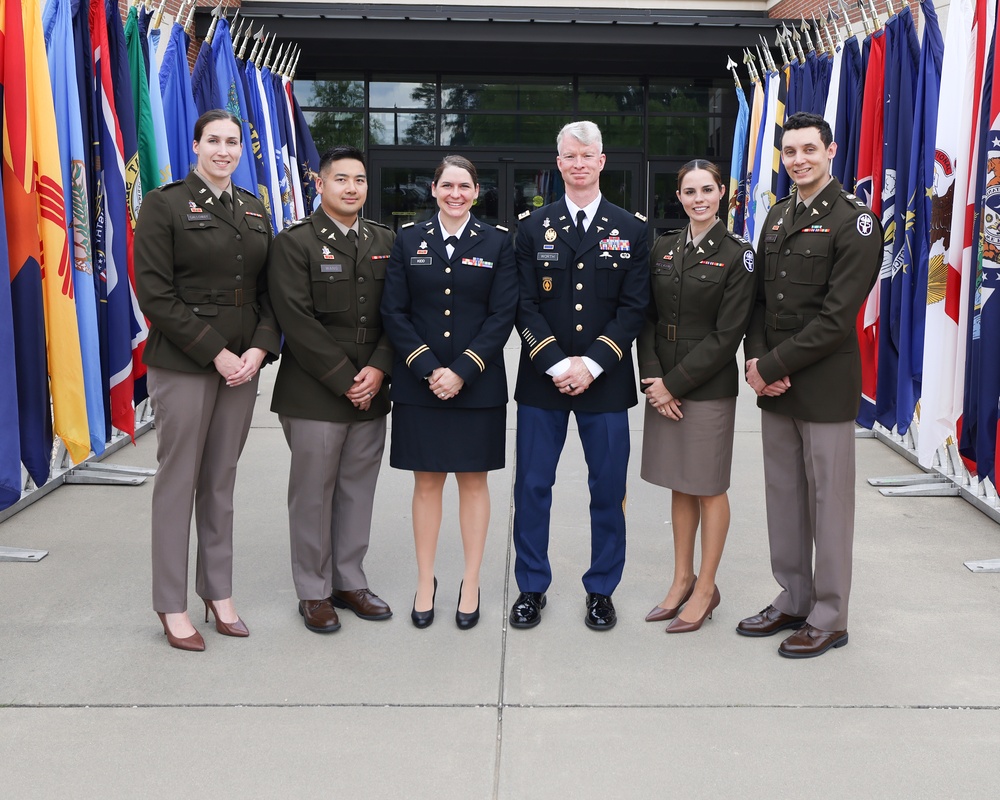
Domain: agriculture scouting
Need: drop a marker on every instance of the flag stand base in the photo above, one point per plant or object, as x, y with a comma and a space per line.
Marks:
108, 474
989, 565
20, 554
916, 486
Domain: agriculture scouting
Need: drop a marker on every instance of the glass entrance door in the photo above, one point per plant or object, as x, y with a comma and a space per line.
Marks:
400, 185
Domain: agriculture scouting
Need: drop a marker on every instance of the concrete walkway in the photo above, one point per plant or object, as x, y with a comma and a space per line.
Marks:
94, 704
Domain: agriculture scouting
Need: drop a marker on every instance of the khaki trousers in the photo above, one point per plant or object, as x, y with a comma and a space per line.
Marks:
201, 427
331, 489
809, 486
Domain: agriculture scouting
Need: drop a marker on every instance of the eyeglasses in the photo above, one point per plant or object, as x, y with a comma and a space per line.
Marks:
586, 158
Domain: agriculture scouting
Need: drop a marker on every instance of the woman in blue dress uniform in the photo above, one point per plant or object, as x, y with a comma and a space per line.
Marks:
702, 293
448, 307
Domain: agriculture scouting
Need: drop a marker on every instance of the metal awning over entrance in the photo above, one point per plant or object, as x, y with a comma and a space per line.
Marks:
520, 40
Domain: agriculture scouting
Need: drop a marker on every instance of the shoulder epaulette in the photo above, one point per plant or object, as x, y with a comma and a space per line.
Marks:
246, 191
853, 199
172, 183
377, 224
523, 214
502, 228
640, 217
407, 225
297, 223
738, 238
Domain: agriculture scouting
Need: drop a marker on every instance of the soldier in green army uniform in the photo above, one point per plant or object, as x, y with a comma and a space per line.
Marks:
703, 288
817, 258
201, 247
326, 278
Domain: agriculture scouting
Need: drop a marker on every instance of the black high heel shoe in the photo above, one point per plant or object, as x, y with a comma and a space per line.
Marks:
463, 620
423, 619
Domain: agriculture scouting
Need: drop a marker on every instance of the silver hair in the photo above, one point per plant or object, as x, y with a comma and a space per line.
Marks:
584, 131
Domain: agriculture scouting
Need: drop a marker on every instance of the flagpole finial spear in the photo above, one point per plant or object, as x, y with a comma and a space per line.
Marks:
751, 66
295, 65
217, 12
246, 38
864, 18
731, 66
277, 58
270, 50
804, 27
797, 39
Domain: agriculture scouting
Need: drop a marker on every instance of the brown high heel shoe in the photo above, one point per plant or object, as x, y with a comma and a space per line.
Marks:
194, 642
680, 626
225, 628
661, 614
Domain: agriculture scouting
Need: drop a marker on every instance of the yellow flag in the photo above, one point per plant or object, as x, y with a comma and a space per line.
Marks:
69, 408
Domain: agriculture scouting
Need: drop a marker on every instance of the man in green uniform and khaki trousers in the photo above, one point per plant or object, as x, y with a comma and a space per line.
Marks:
817, 258
326, 277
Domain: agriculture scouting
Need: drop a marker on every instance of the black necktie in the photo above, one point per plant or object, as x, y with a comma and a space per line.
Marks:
227, 201
352, 237
800, 209
453, 241
581, 215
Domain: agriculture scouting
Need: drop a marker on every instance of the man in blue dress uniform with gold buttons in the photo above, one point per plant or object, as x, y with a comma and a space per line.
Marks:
584, 288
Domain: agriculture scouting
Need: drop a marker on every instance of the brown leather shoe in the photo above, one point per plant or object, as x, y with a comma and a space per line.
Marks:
319, 615
809, 642
768, 622
363, 602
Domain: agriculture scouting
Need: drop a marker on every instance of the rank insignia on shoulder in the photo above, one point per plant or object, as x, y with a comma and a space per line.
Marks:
407, 225
640, 217
523, 214
502, 228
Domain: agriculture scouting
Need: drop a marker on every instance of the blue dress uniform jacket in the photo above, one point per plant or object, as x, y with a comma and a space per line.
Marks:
812, 279
200, 276
698, 314
450, 312
580, 298
326, 294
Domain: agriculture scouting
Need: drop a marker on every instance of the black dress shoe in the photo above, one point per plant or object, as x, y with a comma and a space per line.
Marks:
527, 610
601, 614
463, 620
423, 619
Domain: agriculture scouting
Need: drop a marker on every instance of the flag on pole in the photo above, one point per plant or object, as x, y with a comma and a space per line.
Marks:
125, 107
847, 125
231, 97
272, 106
789, 80
944, 345
69, 407
59, 44
902, 60
113, 231
309, 158
179, 111
761, 195
203, 86
829, 112
24, 252
869, 189
737, 183
10, 445
294, 177
907, 317
978, 439
270, 148
149, 164
156, 108
753, 157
